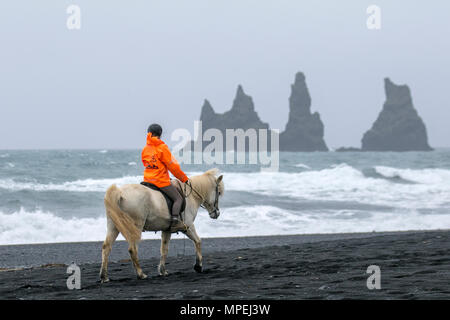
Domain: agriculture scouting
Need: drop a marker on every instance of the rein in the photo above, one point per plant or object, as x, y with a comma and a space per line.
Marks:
204, 204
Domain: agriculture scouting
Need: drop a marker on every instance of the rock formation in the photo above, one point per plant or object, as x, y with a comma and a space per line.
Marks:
242, 115
348, 149
304, 131
398, 126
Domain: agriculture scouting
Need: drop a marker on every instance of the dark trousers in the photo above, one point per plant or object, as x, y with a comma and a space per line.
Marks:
176, 197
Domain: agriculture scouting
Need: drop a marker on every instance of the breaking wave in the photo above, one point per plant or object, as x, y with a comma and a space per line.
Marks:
345, 183
430, 187
86, 185
303, 166
423, 204
425, 176
45, 227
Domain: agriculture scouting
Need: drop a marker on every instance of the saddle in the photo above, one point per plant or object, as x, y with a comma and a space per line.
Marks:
169, 201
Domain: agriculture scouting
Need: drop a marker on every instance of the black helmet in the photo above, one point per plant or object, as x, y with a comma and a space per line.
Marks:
155, 129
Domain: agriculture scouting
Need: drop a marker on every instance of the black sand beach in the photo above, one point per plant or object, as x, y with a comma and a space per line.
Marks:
414, 265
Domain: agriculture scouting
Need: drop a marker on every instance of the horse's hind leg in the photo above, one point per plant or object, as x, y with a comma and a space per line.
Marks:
133, 250
111, 235
192, 234
165, 238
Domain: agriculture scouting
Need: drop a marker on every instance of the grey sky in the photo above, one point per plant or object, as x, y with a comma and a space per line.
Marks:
137, 62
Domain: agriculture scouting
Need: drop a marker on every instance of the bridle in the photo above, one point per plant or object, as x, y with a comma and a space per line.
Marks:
212, 209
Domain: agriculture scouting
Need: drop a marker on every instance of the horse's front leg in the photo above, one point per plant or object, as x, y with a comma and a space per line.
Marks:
165, 238
192, 234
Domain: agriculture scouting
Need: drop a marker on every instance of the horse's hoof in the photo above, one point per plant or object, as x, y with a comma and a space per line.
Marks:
198, 268
142, 276
104, 280
162, 271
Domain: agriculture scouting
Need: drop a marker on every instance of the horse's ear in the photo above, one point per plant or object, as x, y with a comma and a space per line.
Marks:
219, 178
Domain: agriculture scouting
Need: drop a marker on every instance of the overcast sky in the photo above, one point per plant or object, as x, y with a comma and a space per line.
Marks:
137, 62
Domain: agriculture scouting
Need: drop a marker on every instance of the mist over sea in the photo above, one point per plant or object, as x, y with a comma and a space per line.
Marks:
57, 195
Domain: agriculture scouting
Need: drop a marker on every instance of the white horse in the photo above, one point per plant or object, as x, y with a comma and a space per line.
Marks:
134, 208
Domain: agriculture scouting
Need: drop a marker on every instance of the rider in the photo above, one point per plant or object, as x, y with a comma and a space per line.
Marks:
158, 160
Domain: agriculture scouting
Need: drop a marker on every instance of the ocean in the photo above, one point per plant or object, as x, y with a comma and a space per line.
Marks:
51, 196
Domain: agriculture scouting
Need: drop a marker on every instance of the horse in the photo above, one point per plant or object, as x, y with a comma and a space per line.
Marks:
135, 208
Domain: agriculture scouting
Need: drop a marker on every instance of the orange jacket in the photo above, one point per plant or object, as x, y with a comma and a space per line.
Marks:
157, 159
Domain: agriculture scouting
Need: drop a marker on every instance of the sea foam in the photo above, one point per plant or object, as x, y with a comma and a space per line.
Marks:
345, 183
431, 187
86, 185
45, 227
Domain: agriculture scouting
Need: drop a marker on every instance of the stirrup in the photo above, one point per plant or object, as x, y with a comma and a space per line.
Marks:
177, 225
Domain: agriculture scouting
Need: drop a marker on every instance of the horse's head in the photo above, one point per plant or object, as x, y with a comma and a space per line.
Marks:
208, 188
213, 201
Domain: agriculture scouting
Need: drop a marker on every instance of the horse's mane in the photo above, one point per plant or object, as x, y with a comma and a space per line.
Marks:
205, 182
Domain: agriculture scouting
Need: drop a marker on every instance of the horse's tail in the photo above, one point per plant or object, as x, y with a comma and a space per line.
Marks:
123, 222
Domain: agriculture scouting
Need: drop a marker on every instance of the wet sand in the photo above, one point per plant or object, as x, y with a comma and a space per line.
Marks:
414, 265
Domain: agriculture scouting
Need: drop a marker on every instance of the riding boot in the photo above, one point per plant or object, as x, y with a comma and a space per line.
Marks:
177, 224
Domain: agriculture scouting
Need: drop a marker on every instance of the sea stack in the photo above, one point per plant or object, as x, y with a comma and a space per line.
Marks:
242, 115
304, 130
398, 126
